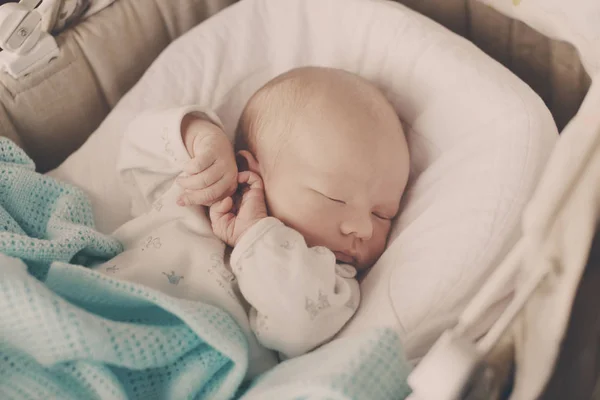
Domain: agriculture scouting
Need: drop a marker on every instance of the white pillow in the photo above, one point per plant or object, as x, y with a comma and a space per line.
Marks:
478, 137
577, 22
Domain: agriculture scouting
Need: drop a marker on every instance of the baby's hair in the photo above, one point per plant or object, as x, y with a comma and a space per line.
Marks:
275, 104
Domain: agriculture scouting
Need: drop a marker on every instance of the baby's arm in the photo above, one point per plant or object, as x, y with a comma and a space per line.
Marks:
300, 297
154, 150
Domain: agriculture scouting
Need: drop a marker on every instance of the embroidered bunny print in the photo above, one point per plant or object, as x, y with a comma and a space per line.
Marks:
314, 308
158, 205
287, 245
167, 144
112, 269
152, 242
219, 266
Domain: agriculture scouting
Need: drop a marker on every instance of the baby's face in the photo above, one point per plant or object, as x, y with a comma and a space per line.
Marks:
339, 183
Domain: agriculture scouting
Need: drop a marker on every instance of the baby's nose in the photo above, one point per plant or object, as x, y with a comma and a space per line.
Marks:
358, 225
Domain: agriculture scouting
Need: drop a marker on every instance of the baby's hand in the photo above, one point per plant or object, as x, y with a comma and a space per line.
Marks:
231, 219
212, 171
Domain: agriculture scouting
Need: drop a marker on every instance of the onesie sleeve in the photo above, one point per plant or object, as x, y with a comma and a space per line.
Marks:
299, 296
153, 154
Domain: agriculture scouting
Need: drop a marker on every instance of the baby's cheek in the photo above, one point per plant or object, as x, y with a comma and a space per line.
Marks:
290, 211
309, 218
280, 203
380, 238
315, 225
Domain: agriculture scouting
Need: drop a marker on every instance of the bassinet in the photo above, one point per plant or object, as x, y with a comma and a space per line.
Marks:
552, 68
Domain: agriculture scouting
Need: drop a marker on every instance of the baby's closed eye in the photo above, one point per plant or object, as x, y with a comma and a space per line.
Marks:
327, 197
335, 200
382, 216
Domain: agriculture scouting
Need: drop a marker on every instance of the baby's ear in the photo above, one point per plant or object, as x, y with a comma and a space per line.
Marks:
246, 162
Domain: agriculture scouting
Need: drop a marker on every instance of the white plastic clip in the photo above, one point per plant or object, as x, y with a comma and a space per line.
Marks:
444, 373
447, 369
25, 45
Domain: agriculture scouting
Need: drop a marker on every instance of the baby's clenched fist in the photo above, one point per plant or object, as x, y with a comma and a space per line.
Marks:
232, 217
211, 174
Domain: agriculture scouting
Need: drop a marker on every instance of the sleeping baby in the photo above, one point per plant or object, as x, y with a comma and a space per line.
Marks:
321, 166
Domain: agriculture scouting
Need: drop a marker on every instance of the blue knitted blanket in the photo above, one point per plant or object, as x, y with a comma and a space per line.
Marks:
67, 332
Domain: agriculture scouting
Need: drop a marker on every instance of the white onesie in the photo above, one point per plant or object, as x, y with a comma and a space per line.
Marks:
285, 296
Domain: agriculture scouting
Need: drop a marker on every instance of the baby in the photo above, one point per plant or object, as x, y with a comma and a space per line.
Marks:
323, 163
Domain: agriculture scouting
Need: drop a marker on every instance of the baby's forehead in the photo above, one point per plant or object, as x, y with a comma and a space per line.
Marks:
335, 157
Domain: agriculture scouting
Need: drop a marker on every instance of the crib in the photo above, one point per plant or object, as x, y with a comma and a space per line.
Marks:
88, 83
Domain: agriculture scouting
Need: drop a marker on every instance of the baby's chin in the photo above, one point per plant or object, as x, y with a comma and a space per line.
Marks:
362, 266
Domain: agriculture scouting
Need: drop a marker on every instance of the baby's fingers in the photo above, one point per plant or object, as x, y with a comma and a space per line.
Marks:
199, 163
202, 180
221, 219
220, 208
208, 195
251, 179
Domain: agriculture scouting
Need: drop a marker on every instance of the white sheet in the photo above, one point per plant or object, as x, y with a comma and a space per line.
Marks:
478, 138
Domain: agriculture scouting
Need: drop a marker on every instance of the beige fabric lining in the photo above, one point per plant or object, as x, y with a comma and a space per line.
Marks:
552, 68
53, 111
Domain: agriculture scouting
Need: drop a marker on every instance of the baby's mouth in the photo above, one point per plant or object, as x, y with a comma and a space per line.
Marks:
344, 258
